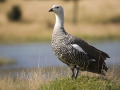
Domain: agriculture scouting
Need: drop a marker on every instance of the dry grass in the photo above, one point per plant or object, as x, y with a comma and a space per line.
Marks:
32, 79
37, 23
22, 82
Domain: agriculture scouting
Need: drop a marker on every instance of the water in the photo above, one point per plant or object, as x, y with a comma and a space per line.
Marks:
40, 54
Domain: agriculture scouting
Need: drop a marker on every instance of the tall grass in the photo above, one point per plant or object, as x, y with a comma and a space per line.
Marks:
86, 81
29, 79
58, 78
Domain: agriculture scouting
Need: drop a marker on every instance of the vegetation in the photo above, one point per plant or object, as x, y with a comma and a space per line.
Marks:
4, 61
82, 83
14, 14
2, 1
96, 20
115, 19
52, 78
87, 81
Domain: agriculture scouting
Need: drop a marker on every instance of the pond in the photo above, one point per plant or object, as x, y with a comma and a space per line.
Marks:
40, 54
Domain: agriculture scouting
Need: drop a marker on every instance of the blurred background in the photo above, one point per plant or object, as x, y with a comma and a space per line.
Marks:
26, 28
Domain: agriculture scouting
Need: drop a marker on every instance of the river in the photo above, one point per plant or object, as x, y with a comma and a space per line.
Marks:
40, 54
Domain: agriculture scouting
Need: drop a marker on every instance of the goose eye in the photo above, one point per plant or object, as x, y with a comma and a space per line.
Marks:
57, 7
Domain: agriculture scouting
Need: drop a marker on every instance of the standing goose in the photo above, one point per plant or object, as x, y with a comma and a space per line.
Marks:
67, 48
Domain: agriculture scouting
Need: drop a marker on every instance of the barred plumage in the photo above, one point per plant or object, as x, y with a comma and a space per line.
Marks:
64, 47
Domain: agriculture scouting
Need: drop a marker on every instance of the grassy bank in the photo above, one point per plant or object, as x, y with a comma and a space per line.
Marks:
4, 61
57, 78
97, 20
87, 81
82, 83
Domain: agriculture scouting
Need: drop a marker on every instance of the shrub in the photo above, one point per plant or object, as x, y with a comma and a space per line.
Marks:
14, 14
115, 19
2, 1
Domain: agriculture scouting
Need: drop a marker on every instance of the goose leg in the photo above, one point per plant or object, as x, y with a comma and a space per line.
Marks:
77, 71
73, 74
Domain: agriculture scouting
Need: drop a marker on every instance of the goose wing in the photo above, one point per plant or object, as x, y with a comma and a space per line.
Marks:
92, 52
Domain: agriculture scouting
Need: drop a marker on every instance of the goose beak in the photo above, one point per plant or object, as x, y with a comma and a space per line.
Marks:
51, 10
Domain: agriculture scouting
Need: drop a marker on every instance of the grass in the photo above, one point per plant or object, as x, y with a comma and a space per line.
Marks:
57, 78
4, 61
87, 81
96, 20
27, 79
82, 83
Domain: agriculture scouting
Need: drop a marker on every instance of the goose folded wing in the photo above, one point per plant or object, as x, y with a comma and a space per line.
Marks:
92, 52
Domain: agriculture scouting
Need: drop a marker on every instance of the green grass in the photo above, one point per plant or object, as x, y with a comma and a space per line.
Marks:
82, 83
57, 78
4, 61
